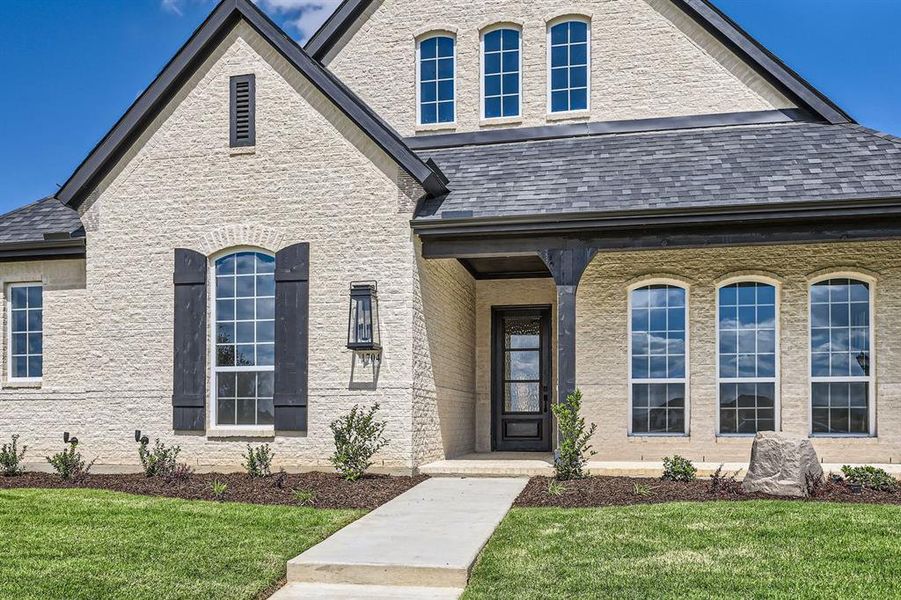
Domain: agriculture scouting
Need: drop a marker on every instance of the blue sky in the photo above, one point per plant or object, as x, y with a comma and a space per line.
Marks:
72, 68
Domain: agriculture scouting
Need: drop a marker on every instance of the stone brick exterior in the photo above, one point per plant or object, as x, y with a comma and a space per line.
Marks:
647, 60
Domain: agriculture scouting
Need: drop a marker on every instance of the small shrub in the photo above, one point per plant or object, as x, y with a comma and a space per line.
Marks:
721, 482
358, 436
181, 472
871, 477
555, 488
676, 468
258, 462
572, 453
219, 488
280, 479
159, 462
11, 458
643, 490
68, 464
305, 497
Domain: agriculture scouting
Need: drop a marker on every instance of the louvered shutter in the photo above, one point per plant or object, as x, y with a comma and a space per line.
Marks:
292, 319
190, 333
243, 111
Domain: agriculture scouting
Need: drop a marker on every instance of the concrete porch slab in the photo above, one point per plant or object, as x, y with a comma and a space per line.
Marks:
429, 536
331, 591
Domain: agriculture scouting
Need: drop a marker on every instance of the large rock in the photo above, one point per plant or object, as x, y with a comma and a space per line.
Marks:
781, 464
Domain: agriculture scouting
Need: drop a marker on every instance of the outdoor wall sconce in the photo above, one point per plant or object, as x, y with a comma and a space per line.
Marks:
141, 439
363, 324
69, 440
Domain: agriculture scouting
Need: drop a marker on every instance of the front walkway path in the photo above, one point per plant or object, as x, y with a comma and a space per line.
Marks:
428, 537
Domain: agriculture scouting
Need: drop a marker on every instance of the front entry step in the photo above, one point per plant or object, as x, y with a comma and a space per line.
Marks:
326, 591
429, 536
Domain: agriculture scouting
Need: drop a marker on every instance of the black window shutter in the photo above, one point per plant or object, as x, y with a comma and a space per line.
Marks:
292, 318
242, 117
190, 333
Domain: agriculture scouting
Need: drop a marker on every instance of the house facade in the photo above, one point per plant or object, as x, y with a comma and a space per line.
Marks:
463, 213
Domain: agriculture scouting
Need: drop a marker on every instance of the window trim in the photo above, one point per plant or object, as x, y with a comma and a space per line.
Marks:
870, 379
9, 333
213, 369
777, 379
438, 33
685, 381
485, 31
589, 39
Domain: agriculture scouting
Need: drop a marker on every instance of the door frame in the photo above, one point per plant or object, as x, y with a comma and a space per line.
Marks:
546, 359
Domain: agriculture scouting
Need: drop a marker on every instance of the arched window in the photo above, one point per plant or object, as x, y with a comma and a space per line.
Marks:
501, 60
658, 346
436, 80
841, 357
747, 357
569, 66
244, 338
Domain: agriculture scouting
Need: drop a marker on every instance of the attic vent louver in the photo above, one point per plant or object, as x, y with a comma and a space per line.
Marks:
243, 108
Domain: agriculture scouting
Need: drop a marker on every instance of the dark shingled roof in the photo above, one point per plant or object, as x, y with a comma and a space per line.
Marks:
32, 222
729, 166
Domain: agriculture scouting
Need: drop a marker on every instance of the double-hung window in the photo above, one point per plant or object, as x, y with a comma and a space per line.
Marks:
569, 66
657, 348
244, 330
841, 357
26, 325
501, 64
436, 80
747, 358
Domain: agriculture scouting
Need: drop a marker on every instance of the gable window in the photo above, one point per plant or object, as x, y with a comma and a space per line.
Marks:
747, 358
841, 357
658, 342
26, 325
569, 62
244, 330
242, 111
501, 64
436, 80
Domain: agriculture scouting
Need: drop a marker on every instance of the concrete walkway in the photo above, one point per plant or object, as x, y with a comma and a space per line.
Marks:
422, 544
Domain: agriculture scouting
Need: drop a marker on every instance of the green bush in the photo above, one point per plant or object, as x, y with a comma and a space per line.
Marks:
161, 461
258, 462
219, 488
574, 449
676, 468
358, 436
11, 458
305, 497
871, 477
68, 464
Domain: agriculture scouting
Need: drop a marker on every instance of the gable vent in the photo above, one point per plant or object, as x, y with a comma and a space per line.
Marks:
243, 109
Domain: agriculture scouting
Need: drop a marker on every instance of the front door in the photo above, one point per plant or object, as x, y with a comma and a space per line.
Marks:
521, 379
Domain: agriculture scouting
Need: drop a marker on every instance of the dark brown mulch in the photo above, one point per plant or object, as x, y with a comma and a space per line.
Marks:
329, 490
621, 491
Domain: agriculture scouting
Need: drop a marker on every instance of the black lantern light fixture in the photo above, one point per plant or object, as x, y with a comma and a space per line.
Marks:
363, 324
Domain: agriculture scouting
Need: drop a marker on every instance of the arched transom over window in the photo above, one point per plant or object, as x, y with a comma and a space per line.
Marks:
244, 330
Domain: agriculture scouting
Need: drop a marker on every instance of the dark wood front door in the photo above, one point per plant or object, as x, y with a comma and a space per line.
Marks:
521, 379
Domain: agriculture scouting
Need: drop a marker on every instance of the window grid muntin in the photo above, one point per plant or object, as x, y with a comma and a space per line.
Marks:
646, 385
735, 298
26, 323
437, 93
821, 294
508, 57
562, 64
235, 275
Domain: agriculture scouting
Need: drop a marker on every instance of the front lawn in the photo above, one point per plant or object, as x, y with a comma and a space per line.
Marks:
98, 544
754, 549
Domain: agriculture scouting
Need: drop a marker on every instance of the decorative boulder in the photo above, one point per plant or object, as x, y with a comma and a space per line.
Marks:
781, 464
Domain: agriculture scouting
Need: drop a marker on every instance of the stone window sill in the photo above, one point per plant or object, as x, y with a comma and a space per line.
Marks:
436, 127
565, 116
242, 151
12, 384
500, 121
240, 432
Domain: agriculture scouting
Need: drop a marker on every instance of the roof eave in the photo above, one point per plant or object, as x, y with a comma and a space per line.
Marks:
43, 250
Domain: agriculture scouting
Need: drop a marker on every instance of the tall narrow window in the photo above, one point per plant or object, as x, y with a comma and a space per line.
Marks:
840, 357
242, 117
569, 42
244, 328
501, 59
658, 360
747, 358
26, 326
436, 80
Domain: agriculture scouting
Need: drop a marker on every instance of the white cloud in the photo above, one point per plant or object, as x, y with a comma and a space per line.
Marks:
173, 6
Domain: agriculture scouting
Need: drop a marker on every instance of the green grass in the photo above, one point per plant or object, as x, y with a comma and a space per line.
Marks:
97, 544
759, 549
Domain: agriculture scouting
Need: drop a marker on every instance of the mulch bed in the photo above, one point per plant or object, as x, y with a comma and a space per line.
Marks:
328, 490
621, 491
